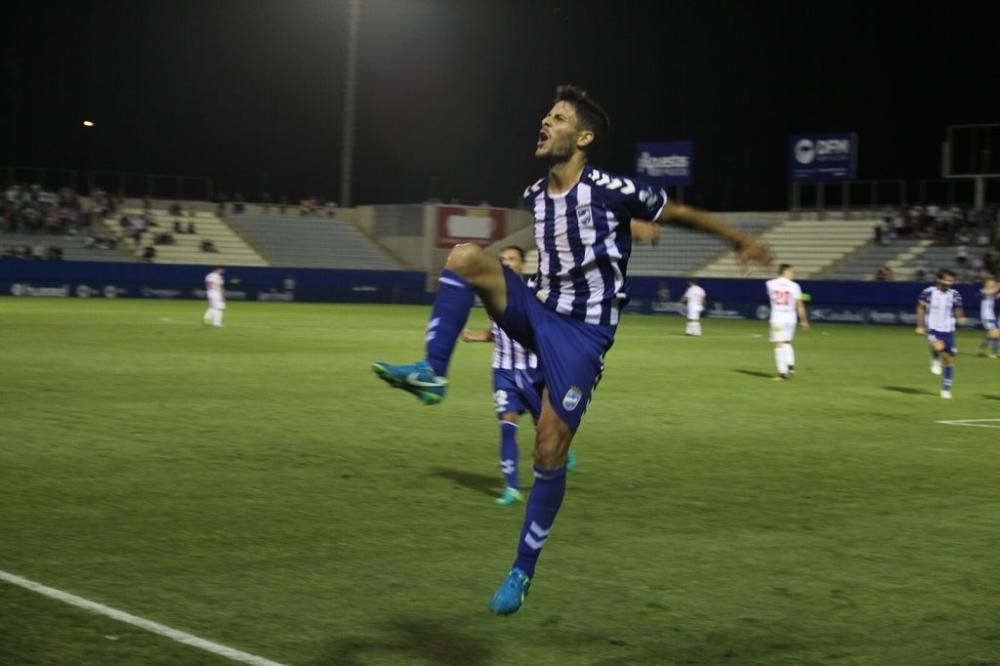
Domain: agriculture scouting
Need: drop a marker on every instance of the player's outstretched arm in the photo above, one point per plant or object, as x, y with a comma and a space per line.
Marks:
645, 231
960, 317
919, 330
748, 248
471, 336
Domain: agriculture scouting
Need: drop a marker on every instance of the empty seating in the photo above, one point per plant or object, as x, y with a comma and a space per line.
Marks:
311, 242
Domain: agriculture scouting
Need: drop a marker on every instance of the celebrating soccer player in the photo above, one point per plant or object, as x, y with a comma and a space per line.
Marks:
582, 231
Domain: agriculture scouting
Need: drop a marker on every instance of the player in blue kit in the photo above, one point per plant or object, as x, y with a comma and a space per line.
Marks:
988, 316
516, 387
582, 232
939, 310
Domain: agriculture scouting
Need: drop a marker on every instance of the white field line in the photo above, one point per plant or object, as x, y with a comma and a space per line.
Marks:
148, 625
973, 423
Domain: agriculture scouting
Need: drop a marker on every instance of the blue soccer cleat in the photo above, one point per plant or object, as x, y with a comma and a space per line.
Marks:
511, 593
418, 379
570, 461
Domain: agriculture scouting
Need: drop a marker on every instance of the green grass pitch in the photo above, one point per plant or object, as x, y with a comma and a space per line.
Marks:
258, 487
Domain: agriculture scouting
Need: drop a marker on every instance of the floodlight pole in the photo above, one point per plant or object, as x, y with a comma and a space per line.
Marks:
350, 84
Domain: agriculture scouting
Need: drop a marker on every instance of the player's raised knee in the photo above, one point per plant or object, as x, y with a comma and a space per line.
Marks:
468, 259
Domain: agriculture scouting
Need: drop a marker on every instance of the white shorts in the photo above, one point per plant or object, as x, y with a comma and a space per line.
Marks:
215, 302
782, 331
694, 311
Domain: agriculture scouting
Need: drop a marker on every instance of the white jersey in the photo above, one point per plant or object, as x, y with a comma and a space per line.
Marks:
213, 284
695, 298
784, 294
941, 306
987, 306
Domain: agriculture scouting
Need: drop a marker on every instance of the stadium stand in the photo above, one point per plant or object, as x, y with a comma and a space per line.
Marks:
212, 242
82, 247
682, 251
865, 263
811, 245
311, 242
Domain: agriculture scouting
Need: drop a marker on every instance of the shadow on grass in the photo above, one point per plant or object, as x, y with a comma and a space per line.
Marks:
990, 397
754, 373
485, 484
909, 390
412, 640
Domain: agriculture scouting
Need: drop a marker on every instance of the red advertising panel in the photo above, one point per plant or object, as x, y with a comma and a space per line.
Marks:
482, 226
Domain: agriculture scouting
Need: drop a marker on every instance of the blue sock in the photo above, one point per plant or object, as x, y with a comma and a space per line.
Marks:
448, 316
949, 373
508, 454
543, 505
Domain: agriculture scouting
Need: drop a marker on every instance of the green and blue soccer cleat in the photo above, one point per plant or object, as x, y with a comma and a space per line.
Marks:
511, 593
570, 461
509, 496
418, 379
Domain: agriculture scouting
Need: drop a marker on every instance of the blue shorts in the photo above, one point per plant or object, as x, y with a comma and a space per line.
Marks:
947, 337
517, 391
990, 324
570, 352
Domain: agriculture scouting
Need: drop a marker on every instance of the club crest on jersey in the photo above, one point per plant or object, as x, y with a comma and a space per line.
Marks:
572, 398
584, 216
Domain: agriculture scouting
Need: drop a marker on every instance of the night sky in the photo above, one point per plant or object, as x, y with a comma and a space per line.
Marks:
451, 92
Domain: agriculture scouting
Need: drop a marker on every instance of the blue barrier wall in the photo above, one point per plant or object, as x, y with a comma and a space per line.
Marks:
133, 280
854, 302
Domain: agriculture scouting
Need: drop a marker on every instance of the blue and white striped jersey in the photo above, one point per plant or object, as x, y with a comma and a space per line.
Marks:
584, 242
509, 354
941, 307
987, 306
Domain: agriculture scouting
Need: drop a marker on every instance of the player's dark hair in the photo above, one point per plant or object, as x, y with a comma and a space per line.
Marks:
517, 248
783, 267
592, 117
944, 272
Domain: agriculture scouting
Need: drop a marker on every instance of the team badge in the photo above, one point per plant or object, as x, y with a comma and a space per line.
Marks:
584, 216
572, 398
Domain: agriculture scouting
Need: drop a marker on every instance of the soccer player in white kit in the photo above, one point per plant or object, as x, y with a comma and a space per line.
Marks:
942, 307
988, 316
216, 297
787, 310
694, 302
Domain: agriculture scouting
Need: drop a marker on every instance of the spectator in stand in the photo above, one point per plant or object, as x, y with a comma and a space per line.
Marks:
879, 235
149, 253
176, 210
190, 228
921, 272
961, 255
884, 274
208, 246
177, 227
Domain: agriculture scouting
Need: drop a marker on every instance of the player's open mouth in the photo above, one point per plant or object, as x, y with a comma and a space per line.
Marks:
542, 138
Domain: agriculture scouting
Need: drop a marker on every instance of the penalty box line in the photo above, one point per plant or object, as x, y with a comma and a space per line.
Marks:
154, 627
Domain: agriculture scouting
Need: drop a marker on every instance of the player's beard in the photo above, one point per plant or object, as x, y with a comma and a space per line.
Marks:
561, 149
